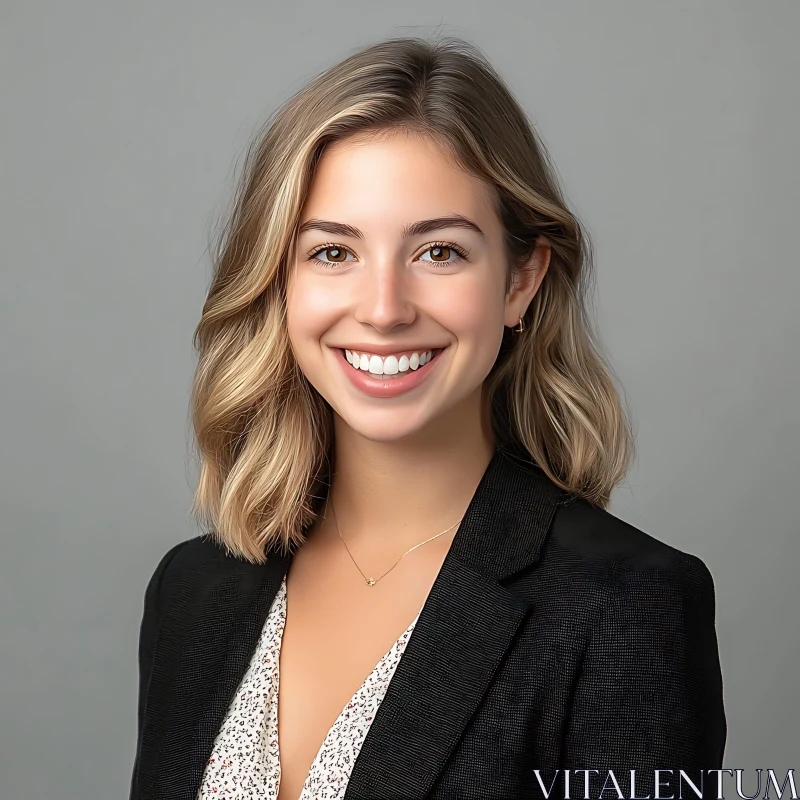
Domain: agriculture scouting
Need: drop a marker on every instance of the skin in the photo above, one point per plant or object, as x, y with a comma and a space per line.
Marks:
405, 468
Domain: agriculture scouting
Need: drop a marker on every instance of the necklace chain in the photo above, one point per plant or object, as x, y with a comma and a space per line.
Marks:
373, 581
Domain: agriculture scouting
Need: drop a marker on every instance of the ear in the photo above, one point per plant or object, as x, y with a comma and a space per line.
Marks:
525, 281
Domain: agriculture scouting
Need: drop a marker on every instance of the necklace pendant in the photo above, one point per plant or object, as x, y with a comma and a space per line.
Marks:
370, 581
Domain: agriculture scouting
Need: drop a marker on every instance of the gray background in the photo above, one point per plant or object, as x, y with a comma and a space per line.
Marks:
675, 129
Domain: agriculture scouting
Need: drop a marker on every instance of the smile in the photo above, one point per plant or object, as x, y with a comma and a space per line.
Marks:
388, 376
392, 365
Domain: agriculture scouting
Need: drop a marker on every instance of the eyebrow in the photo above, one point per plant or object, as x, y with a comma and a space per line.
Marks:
414, 229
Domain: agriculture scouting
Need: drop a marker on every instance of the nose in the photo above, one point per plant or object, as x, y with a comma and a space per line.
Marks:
384, 298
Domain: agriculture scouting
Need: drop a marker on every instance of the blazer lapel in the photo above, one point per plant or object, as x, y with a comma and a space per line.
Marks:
202, 653
468, 622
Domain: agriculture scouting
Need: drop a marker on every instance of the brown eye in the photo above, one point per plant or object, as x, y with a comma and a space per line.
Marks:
336, 254
331, 254
443, 254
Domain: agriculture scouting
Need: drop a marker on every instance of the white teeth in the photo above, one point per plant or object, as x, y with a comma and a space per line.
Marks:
390, 365
375, 364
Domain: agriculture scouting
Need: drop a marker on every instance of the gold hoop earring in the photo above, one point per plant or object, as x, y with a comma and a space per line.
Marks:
519, 327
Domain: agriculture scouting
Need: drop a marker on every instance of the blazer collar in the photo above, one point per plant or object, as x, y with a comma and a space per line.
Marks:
205, 646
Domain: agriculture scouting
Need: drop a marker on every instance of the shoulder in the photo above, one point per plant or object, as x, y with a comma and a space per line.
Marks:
612, 561
196, 557
598, 538
185, 555
190, 554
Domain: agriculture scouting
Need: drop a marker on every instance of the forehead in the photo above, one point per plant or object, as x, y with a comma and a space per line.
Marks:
393, 179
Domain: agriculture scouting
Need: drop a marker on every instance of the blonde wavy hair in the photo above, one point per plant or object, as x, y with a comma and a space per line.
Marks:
262, 432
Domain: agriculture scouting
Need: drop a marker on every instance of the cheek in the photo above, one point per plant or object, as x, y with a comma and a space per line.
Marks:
311, 309
473, 312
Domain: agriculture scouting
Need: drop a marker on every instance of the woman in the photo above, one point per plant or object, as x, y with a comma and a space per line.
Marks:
408, 443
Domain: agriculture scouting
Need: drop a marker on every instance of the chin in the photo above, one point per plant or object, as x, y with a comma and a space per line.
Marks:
386, 425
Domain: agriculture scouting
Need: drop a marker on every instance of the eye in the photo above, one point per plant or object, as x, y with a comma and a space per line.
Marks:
335, 254
445, 253
442, 253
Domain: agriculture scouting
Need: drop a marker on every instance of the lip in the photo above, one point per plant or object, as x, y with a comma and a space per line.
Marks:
375, 387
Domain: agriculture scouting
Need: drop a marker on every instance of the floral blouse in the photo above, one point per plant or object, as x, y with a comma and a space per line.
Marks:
245, 762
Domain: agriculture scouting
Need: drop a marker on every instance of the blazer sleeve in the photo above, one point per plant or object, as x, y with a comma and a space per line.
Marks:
148, 631
649, 696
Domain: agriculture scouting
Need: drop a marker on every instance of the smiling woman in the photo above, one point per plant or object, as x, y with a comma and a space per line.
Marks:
409, 585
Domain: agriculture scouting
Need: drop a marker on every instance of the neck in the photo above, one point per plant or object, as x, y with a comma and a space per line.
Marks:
398, 493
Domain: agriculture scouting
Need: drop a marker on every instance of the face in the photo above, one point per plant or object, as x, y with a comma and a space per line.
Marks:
396, 297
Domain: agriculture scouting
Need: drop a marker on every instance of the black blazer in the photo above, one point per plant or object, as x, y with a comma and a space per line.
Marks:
555, 637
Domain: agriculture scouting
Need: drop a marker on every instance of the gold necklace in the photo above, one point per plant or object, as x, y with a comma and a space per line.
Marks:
373, 581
